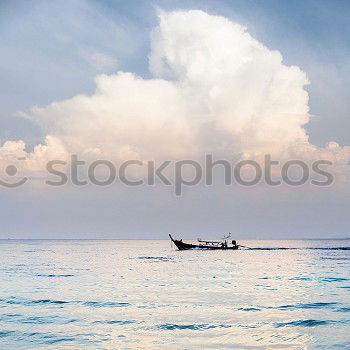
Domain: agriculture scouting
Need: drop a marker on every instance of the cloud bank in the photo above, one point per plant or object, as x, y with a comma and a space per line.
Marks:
215, 89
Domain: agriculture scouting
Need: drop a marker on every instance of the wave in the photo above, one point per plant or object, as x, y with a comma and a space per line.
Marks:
194, 327
303, 323
4, 334
23, 301
248, 309
335, 279
22, 319
52, 275
118, 322
300, 278
344, 309
38, 250
299, 306
48, 338
105, 304
307, 306
155, 258
318, 306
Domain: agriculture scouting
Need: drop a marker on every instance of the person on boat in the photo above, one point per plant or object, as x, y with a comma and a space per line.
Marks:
234, 243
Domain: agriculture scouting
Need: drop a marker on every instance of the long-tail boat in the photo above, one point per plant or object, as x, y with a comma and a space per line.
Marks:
206, 245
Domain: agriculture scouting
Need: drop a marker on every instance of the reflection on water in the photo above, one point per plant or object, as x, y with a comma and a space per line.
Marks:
145, 294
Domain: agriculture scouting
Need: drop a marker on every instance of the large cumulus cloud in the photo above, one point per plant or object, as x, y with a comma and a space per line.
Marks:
214, 89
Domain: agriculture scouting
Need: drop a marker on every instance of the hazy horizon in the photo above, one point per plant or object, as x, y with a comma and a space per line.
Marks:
174, 81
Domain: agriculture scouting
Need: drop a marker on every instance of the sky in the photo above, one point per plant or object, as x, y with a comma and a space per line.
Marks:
123, 80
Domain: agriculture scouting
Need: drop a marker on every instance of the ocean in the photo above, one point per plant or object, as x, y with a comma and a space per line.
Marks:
112, 294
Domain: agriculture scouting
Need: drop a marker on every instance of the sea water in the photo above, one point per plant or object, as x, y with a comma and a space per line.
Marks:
147, 295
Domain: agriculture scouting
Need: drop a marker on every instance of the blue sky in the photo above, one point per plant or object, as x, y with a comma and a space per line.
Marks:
52, 50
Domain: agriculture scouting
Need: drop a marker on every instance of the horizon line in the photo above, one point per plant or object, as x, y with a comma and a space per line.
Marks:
166, 239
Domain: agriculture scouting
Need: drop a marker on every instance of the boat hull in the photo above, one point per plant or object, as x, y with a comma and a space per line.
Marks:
187, 246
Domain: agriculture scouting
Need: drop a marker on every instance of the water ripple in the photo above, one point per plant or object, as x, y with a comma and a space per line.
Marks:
4, 334
155, 258
249, 309
25, 301
307, 306
303, 323
119, 322
194, 327
335, 279
105, 304
52, 275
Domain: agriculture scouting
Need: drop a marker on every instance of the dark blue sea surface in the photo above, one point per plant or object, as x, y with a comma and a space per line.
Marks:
147, 295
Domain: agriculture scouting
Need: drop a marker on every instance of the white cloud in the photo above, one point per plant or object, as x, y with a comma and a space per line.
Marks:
14, 153
215, 89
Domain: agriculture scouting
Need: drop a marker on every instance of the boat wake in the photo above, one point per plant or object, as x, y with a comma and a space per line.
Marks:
297, 248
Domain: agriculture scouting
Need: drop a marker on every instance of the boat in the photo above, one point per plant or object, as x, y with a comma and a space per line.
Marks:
206, 245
